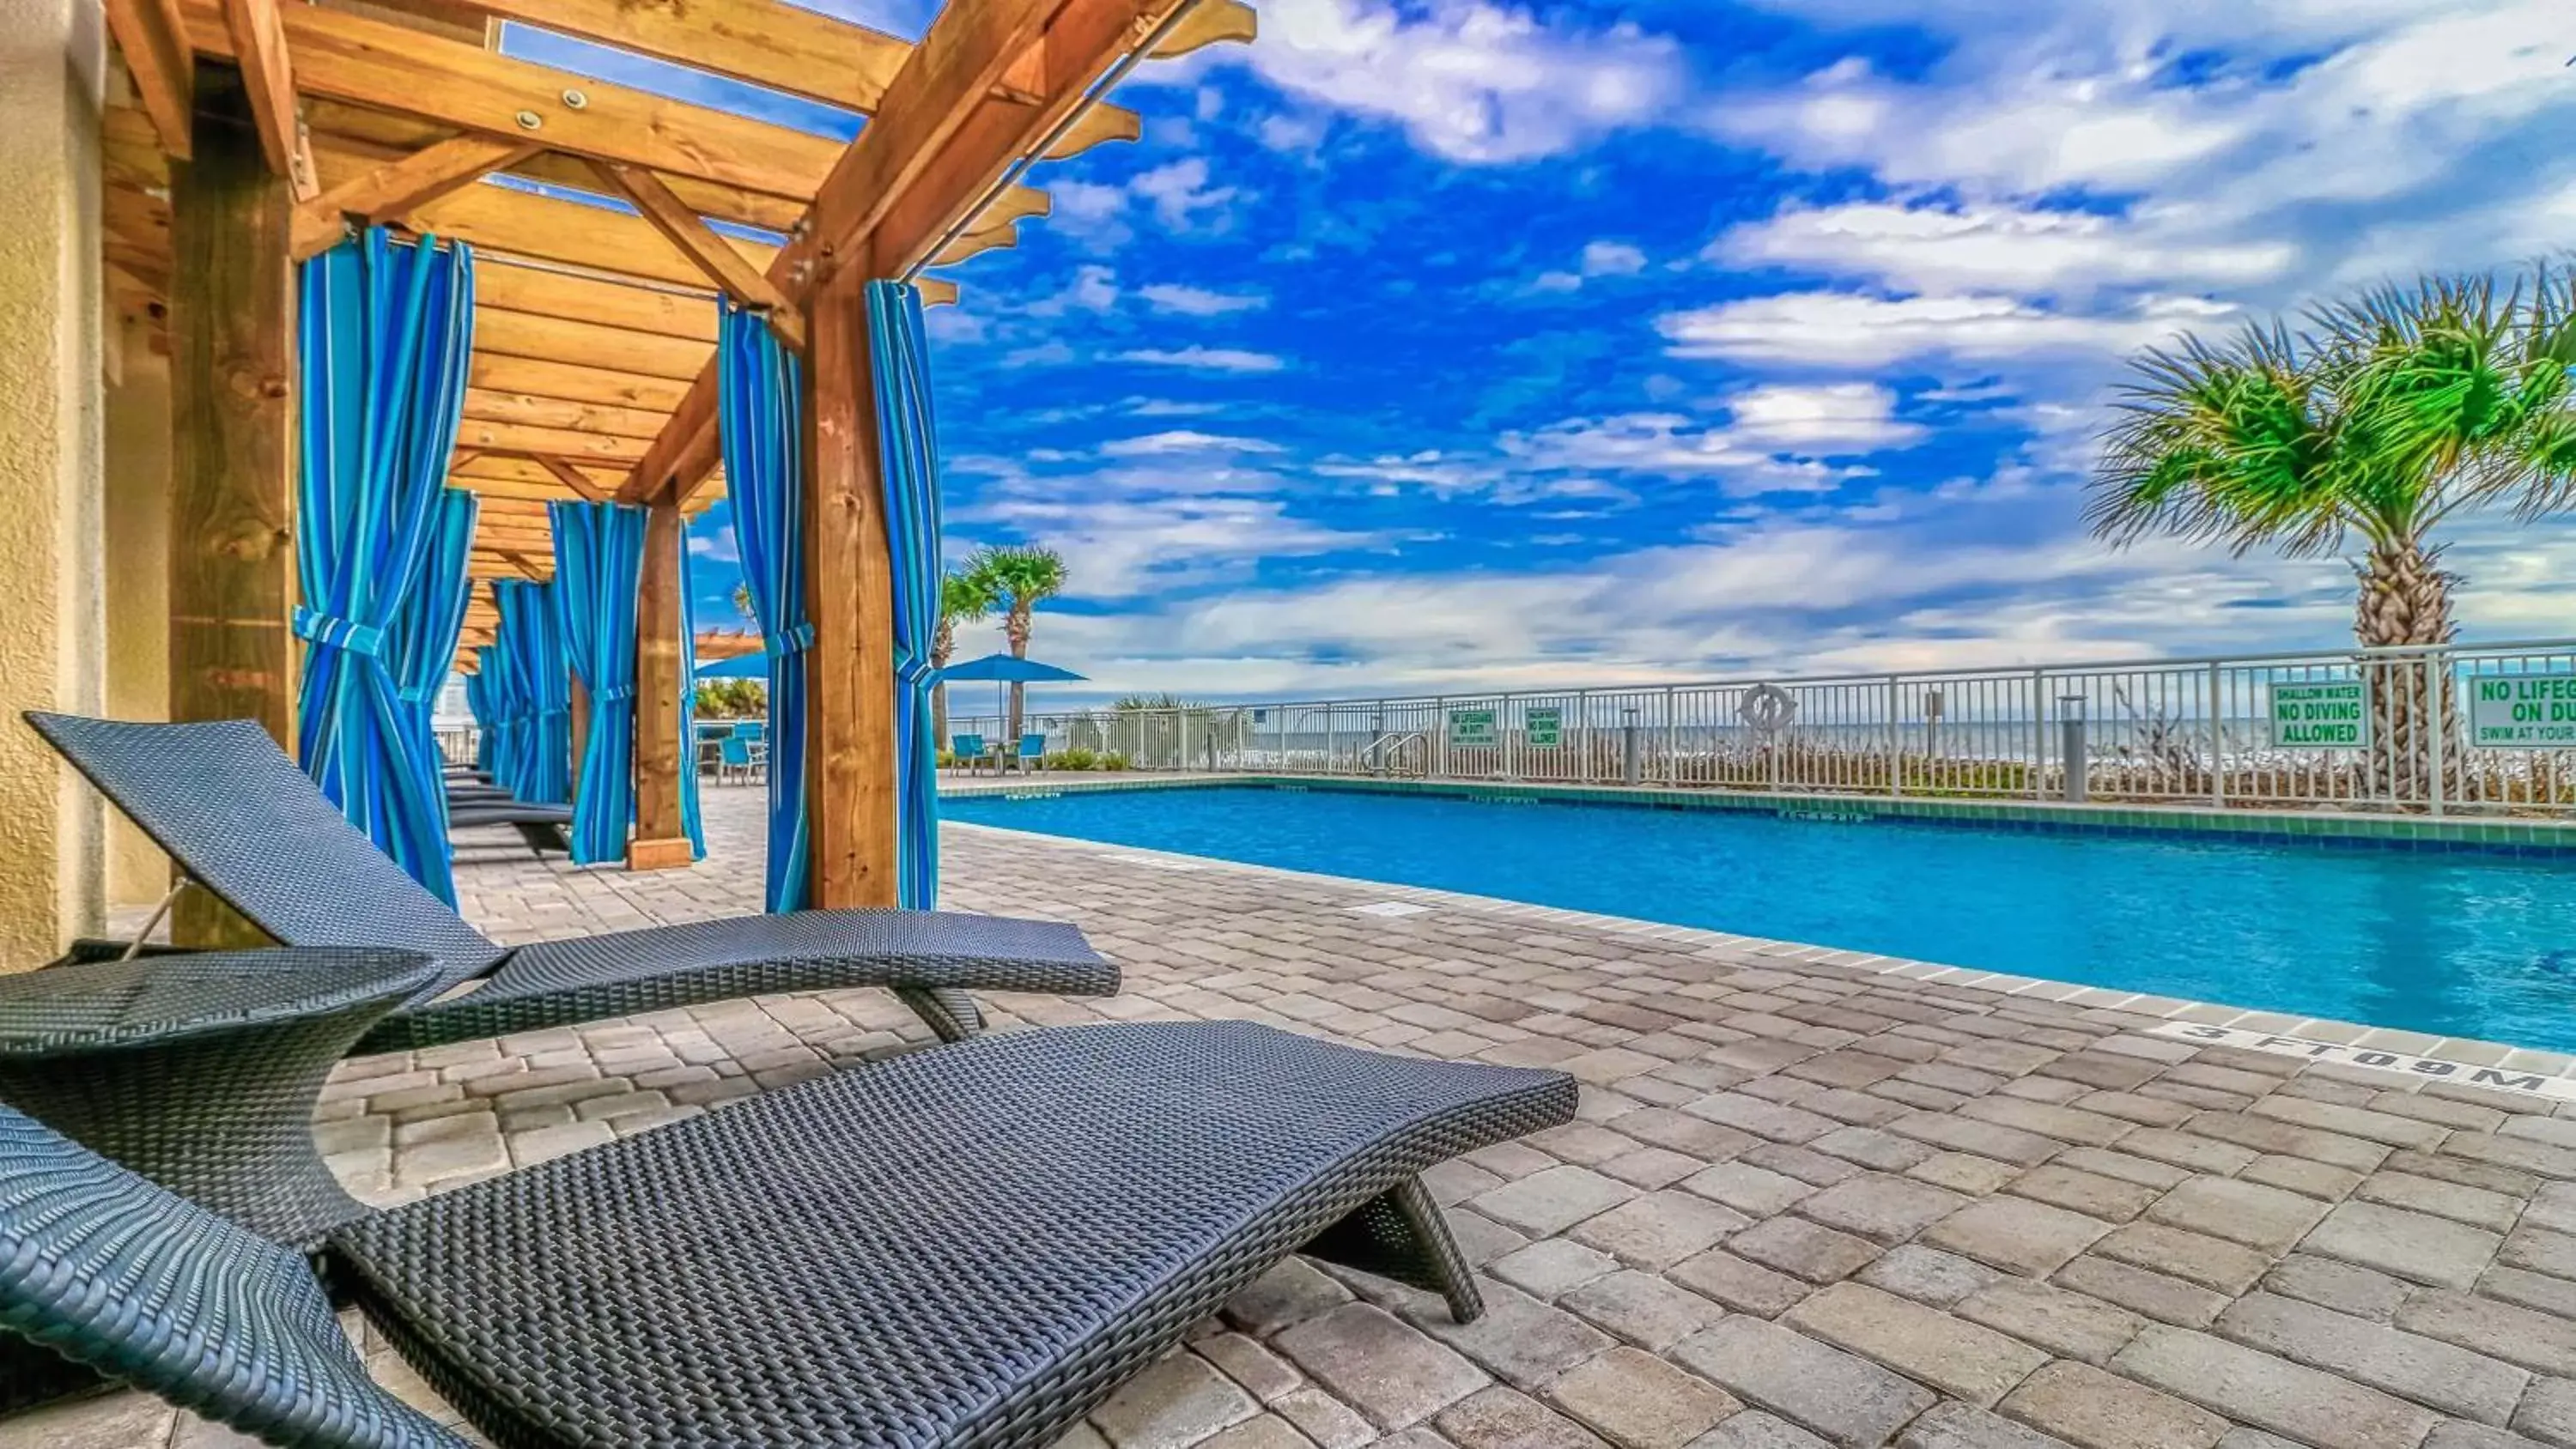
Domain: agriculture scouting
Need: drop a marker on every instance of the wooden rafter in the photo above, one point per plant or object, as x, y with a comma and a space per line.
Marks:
783, 47
392, 191
259, 48
939, 147
573, 478
725, 265
153, 37
465, 87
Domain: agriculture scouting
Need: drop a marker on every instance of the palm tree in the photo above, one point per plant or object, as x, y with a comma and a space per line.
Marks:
965, 596
1022, 579
2388, 414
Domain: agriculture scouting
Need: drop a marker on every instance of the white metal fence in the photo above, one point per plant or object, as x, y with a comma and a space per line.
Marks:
2484, 729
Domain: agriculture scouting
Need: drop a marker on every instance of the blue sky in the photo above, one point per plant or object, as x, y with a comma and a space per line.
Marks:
1450, 343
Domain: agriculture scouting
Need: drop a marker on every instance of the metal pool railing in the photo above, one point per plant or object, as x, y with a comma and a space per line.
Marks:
2484, 729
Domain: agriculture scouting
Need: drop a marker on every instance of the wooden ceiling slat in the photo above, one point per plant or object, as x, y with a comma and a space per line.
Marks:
371, 63
153, 37
553, 442
574, 383
522, 223
583, 344
482, 405
392, 191
583, 299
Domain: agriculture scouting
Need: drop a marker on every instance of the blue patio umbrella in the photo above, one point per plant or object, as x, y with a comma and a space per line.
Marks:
1002, 669
747, 666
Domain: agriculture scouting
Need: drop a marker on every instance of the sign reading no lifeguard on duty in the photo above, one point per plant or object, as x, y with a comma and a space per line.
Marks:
2523, 712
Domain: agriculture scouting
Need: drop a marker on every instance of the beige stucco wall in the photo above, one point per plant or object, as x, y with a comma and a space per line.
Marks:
138, 608
52, 859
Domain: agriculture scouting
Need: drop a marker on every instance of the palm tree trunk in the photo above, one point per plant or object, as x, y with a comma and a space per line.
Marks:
2405, 599
1015, 626
943, 645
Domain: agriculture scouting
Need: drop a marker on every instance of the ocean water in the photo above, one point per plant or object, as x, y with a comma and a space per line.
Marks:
2453, 944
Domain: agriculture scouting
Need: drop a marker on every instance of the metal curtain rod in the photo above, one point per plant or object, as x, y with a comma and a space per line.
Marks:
1011, 177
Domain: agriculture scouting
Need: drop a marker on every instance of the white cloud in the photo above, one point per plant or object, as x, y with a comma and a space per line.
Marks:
1094, 288
1933, 247
1612, 259
1123, 547
1205, 359
1183, 440
1181, 194
1051, 353
1190, 301
1842, 417
1854, 330
1673, 445
1469, 80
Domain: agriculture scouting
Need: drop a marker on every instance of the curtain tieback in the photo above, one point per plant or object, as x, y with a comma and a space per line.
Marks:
793, 641
914, 672
346, 634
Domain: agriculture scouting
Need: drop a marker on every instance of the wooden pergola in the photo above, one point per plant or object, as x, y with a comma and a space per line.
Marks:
607, 219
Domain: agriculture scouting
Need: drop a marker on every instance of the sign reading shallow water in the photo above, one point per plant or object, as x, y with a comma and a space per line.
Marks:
2427, 1069
1543, 729
2523, 712
1471, 727
2331, 716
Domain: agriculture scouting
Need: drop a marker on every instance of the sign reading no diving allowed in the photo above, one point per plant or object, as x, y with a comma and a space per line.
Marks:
2334, 715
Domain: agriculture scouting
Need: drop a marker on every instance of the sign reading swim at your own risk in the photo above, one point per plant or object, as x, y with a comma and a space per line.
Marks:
1471, 727
2523, 712
2334, 715
1543, 728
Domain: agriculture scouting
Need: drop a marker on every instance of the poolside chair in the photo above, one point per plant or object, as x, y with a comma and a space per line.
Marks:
1032, 754
969, 750
969, 1245
250, 827
473, 803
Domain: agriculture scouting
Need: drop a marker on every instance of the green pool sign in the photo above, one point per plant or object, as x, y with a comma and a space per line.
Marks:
1471, 727
2329, 716
1543, 729
2523, 712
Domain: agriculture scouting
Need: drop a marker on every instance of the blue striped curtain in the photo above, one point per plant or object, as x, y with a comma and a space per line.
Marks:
424, 648
384, 335
599, 563
539, 693
908, 446
761, 424
689, 818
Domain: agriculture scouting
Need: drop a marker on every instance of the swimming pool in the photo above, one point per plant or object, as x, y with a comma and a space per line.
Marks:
2453, 944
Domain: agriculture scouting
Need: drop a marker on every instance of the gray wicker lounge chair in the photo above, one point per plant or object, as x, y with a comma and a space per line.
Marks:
247, 825
970, 1245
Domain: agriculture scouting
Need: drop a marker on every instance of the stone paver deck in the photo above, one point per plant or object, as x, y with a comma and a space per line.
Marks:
1804, 1205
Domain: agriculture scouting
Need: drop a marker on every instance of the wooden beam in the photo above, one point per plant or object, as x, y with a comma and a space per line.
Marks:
351, 58
849, 598
233, 448
391, 192
661, 837
541, 378
522, 223
259, 48
588, 299
1213, 22
555, 442
153, 38
584, 344
539, 412
732, 272
937, 148
783, 47
574, 479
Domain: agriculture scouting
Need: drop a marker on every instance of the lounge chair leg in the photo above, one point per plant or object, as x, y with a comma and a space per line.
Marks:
949, 1010
1400, 1234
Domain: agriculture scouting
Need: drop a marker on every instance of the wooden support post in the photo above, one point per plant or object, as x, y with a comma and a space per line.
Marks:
850, 764
661, 836
232, 495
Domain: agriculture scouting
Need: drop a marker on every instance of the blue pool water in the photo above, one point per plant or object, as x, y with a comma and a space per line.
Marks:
2454, 944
